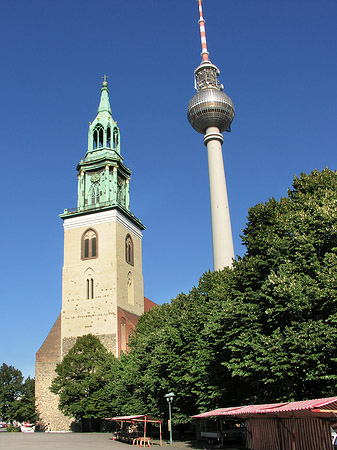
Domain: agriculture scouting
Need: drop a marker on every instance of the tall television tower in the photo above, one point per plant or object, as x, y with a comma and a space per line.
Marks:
211, 112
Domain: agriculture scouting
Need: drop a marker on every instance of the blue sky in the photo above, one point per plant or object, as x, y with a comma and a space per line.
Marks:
278, 64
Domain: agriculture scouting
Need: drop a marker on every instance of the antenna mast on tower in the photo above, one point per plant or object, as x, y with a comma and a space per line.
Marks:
204, 52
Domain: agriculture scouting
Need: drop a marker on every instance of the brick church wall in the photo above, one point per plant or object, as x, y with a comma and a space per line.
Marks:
47, 357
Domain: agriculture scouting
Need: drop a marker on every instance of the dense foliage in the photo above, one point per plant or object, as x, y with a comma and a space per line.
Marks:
82, 380
262, 331
17, 396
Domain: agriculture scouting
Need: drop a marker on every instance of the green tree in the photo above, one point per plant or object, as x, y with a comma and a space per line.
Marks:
10, 389
173, 351
82, 381
282, 327
24, 408
263, 331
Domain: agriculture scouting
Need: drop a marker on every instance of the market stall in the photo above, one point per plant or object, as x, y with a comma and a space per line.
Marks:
133, 429
304, 425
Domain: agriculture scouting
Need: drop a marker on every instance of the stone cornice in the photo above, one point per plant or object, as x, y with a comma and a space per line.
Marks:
112, 215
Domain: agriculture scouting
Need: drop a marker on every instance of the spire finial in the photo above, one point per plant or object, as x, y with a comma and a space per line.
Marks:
105, 81
104, 104
204, 52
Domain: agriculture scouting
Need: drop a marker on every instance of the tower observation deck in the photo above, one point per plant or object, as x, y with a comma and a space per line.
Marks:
211, 112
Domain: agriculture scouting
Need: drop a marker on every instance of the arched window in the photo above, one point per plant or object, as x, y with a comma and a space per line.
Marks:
129, 250
89, 245
115, 138
90, 288
131, 291
94, 195
100, 144
89, 285
108, 137
98, 137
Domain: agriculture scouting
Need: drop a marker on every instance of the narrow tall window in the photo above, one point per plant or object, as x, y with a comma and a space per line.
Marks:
131, 291
98, 137
86, 247
108, 137
93, 246
95, 140
90, 288
89, 245
129, 250
115, 138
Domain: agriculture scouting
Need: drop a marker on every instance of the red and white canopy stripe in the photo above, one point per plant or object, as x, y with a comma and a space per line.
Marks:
322, 407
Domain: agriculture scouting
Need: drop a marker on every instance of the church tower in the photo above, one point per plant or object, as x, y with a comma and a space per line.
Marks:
102, 281
102, 271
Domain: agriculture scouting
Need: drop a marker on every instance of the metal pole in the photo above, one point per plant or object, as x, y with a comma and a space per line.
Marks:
170, 418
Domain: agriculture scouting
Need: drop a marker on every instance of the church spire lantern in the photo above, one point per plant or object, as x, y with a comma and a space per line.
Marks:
103, 131
103, 179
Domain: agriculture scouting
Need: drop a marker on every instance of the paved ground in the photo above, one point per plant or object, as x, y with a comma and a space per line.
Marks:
75, 441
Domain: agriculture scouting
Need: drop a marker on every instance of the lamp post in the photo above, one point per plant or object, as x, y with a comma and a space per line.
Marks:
169, 397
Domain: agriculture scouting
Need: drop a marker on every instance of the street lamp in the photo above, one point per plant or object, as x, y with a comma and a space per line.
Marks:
169, 397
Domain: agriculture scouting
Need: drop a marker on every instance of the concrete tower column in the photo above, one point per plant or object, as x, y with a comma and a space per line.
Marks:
223, 250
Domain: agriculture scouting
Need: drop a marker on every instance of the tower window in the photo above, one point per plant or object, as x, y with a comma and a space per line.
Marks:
90, 288
108, 137
115, 138
98, 137
131, 291
89, 284
94, 195
129, 250
89, 245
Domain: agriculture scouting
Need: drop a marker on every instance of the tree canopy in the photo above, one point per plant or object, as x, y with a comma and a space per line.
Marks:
17, 397
82, 380
262, 331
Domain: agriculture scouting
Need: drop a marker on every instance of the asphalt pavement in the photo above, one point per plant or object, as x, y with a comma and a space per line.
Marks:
77, 441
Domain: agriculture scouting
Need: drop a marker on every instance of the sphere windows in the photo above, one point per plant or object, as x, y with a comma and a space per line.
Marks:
89, 245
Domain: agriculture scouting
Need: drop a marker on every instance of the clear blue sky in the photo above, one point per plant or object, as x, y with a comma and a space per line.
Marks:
278, 63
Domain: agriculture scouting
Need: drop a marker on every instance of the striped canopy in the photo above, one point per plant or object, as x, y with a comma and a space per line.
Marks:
304, 425
322, 407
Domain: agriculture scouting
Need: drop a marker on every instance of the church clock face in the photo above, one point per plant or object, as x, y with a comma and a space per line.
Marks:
95, 178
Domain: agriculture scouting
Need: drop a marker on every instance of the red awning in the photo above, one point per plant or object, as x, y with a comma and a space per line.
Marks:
323, 407
137, 418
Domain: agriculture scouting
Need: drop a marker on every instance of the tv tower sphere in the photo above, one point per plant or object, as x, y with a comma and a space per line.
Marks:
211, 112
210, 106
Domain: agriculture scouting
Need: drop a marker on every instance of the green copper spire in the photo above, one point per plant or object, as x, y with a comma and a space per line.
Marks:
103, 179
104, 105
103, 136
